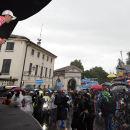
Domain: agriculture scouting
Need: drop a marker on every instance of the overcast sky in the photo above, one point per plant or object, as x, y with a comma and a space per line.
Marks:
93, 31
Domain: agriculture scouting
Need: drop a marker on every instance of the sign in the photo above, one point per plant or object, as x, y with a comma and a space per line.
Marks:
86, 80
60, 84
39, 81
80, 86
22, 82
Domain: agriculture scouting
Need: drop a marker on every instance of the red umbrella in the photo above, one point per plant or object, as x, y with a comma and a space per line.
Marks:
17, 90
97, 87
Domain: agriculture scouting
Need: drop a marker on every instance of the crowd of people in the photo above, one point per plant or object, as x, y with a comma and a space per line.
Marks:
85, 106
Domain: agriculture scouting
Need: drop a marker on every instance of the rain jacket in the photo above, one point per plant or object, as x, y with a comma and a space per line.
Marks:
2, 21
51, 102
16, 102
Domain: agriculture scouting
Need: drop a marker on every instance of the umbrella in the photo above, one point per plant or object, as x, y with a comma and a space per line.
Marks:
118, 79
111, 76
17, 90
10, 86
127, 72
30, 86
22, 9
120, 83
52, 89
29, 89
97, 87
121, 68
16, 119
106, 84
118, 88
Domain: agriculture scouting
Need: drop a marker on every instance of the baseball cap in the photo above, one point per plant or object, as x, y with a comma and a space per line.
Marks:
9, 13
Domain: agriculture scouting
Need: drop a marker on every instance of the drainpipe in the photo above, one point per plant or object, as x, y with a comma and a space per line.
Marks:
24, 63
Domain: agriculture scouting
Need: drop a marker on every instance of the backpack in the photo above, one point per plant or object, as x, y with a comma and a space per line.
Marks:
110, 106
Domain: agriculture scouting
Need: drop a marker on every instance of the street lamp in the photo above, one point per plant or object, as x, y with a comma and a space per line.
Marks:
33, 68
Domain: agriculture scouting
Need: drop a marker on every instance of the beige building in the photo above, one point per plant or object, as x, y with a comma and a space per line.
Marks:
70, 76
24, 61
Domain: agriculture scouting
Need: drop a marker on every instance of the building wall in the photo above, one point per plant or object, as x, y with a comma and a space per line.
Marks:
16, 67
17, 56
40, 62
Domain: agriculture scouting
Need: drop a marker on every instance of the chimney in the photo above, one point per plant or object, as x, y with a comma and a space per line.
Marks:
39, 42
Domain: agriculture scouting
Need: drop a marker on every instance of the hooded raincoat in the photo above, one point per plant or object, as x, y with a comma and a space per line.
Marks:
16, 102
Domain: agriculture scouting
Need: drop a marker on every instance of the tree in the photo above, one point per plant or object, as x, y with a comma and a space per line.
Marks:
128, 59
77, 63
96, 72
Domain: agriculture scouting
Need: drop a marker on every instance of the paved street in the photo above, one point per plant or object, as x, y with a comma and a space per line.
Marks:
98, 124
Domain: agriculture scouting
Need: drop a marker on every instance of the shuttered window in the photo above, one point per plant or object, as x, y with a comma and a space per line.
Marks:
30, 68
50, 73
46, 72
41, 71
36, 70
10, 46
32, 52
38, 54
6, 65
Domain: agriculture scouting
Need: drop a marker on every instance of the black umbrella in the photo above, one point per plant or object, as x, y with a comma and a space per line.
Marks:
22, 9
15, 119
106, 84
119, 83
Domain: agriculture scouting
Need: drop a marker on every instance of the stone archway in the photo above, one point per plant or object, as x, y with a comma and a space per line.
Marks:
57, 81
71, 84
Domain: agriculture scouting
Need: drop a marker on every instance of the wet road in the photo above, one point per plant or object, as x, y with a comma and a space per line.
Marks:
98, 124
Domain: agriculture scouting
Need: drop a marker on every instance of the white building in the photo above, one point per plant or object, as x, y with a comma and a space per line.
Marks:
69, 76
18, 56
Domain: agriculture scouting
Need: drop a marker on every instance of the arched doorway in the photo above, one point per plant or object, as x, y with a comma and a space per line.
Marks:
57, 81
71, 84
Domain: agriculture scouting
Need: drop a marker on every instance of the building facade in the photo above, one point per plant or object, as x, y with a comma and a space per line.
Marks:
23, 61
70, 76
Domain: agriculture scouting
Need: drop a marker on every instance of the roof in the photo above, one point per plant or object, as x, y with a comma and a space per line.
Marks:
22, 37
66, 68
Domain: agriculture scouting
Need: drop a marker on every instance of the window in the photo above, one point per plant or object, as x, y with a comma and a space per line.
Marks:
48, 86
10, 46
50, 73
41, 71
36, 70
30, 68
0, 47
47, 58
44, 86
32, 52
6, 65
51, 59
43, 56
46, 72
38, 54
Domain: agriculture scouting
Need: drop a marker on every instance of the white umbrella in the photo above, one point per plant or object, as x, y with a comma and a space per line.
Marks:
10, 87
118, 88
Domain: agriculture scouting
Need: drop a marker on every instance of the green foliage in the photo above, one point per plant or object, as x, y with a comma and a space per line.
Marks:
96, 72
77, 63
128, 59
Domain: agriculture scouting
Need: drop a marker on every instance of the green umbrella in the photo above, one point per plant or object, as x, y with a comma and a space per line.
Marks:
52, 89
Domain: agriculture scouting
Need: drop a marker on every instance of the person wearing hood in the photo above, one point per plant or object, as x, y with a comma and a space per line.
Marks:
53, 108
7, 17
38, 113
22, 102
105, 109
